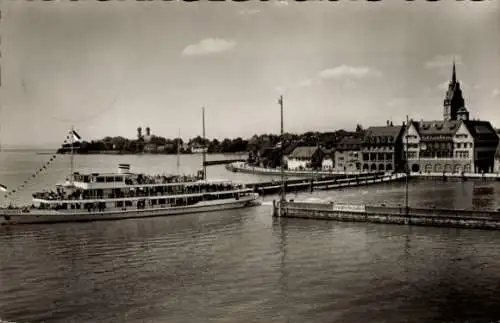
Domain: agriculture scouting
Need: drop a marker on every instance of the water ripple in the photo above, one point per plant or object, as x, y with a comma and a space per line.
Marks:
244, 266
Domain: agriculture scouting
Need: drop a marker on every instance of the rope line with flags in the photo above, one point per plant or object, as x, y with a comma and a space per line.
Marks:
10, 193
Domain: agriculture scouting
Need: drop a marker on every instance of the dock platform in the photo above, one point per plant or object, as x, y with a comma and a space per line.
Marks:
325, 183
470, 219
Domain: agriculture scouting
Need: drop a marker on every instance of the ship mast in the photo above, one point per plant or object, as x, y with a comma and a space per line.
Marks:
178, 149
282, 195
71, 135
203, 146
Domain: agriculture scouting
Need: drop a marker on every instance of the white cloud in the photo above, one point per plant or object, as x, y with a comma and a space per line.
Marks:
495, 93
209, 46
249, 12
440, 61
349, 72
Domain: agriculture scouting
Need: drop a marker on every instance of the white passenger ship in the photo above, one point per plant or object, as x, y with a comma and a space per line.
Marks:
120, 195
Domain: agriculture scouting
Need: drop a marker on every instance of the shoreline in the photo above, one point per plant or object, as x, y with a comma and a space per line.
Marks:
145, 153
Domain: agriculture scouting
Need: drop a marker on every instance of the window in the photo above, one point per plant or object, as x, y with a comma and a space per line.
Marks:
462, 154
412, 155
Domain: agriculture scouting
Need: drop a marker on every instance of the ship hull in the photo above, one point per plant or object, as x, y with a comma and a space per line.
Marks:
11, 217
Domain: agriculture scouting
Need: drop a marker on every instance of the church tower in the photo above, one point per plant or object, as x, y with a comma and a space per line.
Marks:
454, 105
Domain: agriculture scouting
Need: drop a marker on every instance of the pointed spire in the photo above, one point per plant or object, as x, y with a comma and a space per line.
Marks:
454, 75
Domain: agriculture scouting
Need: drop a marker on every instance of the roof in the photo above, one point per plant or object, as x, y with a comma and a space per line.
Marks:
438, 128
481, 130
350, 143
304, 152
384, 133
289, 147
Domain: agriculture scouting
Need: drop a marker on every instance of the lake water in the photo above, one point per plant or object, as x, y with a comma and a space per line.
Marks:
244, 265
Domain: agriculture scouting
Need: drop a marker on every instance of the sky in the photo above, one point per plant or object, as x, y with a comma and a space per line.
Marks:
110, 67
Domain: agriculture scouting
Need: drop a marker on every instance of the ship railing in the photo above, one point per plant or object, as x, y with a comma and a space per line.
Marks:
135, 196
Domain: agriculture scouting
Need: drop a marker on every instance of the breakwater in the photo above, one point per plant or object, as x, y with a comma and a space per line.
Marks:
471, 219
243, 167
295, 185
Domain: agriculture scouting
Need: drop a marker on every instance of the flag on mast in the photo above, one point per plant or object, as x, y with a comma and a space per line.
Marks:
76, 136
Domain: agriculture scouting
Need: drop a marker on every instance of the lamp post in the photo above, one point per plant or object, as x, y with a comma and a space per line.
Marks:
282, 195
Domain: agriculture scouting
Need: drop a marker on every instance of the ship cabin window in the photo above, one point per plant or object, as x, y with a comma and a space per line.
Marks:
100, 179
110, 179
119, 203
118, 179
128, 203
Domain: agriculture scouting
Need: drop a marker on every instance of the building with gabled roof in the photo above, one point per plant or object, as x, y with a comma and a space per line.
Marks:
455, 144
348, 154
305, 157
328, 163
381, 149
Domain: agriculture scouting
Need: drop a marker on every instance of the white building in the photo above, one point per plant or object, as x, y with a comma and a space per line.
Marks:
328, 163
497, 160
305, 157
451, 146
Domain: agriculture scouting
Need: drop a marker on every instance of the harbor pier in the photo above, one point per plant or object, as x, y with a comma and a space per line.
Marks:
326, 183
454, 218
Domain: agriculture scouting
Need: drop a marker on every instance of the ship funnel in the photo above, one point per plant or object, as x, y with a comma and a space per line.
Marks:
123, 168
